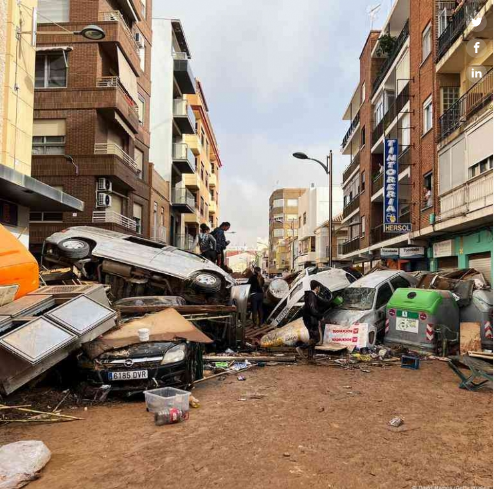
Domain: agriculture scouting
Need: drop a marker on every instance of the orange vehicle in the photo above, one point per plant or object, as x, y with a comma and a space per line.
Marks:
17, 265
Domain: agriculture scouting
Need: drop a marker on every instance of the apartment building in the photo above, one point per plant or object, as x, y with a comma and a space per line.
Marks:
283, 224
91, 122
184, 149
339, 237
19, 192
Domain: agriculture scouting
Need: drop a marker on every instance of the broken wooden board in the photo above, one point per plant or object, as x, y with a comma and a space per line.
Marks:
331, 347
470, 339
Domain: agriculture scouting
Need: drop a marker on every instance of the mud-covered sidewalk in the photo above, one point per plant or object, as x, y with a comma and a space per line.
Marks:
284, 427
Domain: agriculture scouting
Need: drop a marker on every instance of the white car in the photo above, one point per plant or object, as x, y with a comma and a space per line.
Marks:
290, 306
365, 300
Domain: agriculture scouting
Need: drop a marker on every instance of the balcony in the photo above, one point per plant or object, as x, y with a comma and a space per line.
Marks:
352, 206
474, 195
350, 246
192, 181
378, 235
212, 207
474, 100
400, 41
183, 201
347, 173
393, 111
404, 160
112, 217
377, 182
183, 116
351, 130
159, 234
213, 180
116, 16
457, 25
184, 242
183, 73
122, 100
115, 149
183, 158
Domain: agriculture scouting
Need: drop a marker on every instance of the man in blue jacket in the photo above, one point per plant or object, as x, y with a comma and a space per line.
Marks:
221, 242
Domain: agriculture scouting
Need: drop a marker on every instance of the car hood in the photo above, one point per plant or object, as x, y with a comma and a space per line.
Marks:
139, 350
341, 316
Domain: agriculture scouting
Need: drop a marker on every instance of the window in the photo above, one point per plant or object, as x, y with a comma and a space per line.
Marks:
141, 106
137, 208
278, 233
278, 217
139, 159
481, 167
162, 220
305, 218
362, 93
50, 11
400, 283
362, 181
427, 189
378, 112
426, 42
291, 217
383, 295
51, 70
312, 244
203, 137
362, 226
450, 96
292, 202
142, 55
213, 170
202, 206
202, 171
211, 192
48, 145
427, 113
144, 8
46, 217
362, 137
278, 203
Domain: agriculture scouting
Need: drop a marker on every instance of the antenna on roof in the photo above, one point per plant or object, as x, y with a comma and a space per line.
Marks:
373, 11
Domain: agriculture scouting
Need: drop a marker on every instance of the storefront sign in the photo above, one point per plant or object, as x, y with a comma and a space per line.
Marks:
412, 252
8, 213
442, 249
390, 252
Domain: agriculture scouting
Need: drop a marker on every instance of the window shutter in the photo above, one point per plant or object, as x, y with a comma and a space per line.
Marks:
53, 11
49, 127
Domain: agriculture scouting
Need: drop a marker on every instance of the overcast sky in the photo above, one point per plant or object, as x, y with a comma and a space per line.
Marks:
277, 75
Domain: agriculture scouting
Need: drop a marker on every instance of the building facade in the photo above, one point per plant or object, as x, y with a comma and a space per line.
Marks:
91, 133
406, 86
283, 224
19, 192
339, 237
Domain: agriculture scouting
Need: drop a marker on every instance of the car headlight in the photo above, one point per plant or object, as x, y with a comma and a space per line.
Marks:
175, 354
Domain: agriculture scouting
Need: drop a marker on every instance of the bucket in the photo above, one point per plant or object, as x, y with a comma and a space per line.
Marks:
143, 334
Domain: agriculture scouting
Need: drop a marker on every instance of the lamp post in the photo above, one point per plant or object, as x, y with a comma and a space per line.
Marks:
328, 168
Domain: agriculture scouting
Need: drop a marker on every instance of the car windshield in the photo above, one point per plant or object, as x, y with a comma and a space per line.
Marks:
359, 298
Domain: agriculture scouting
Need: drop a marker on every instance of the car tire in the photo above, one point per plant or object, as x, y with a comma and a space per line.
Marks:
74, 248
207, 283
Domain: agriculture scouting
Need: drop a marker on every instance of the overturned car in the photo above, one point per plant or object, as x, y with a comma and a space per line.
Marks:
134, 266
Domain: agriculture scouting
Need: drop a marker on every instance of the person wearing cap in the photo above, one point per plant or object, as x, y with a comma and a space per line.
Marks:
314, 308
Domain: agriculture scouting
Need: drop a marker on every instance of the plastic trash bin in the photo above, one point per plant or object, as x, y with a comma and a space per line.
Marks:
480, 311
413, 315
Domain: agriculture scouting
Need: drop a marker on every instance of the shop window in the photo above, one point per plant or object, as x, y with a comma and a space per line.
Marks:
48, 145
427, 189
51, 70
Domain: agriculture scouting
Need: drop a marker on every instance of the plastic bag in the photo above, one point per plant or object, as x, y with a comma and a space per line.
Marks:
289, 335
21, 461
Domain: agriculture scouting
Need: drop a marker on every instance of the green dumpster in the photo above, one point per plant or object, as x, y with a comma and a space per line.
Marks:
414, 315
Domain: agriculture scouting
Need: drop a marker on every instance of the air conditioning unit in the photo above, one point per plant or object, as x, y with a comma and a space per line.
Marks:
104, 184
139, 39
103, 200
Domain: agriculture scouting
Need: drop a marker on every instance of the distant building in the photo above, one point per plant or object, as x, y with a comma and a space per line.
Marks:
240, 260
339, 236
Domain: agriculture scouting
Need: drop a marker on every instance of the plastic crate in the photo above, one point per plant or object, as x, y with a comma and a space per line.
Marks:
157, 400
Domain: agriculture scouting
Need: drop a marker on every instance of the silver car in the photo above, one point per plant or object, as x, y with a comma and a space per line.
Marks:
134, 266
365, 300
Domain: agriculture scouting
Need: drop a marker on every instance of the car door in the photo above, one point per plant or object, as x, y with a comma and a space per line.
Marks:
384, 293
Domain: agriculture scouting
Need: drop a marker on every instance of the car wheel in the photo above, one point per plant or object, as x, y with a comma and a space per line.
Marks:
207, 283
74, 248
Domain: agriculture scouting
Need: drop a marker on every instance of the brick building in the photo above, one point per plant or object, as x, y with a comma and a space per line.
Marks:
91, 128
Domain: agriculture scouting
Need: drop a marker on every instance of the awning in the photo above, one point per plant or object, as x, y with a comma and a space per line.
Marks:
27, 191
127, 76
53, 48
124, 126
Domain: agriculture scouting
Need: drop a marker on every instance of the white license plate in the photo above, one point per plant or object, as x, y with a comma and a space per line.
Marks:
408, 325
130, 375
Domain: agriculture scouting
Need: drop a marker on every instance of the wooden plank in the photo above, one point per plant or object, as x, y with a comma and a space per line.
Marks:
470, 339
481, 354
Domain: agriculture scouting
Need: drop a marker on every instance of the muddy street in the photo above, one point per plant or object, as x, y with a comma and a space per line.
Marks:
284, 427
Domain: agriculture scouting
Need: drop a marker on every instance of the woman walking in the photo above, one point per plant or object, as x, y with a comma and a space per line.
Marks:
256, 283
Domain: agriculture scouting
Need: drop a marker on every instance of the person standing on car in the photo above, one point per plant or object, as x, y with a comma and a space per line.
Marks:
221, 242
206, 243
314, 308
256, 283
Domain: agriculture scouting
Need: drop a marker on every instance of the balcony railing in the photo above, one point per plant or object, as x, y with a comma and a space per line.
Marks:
378, 235
377, 182
474, 195
159, 234
112, 217
347, 173
180, 56
393, 111
181, 108
114, 82
351, 129
400, 41
457, 24
351, 206
116, 16
466, 106
183, 196
184, 242
350, 246
403, 161
115, 149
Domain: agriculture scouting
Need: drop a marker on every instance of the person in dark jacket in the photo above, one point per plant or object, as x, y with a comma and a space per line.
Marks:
221, 242
256, 283
206, 243
314, 308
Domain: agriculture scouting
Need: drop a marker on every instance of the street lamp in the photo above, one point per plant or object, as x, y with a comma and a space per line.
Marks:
328, 168
90, 32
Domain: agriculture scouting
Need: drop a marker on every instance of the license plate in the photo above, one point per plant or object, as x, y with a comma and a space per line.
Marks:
130, 375
407, 324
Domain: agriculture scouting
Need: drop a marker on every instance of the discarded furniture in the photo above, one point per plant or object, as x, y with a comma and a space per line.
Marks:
478, 370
